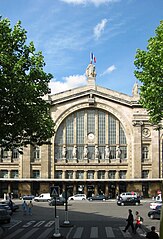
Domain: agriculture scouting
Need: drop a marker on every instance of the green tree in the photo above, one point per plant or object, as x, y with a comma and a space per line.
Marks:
24, 115
149, 71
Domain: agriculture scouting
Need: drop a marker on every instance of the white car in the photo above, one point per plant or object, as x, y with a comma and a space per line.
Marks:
77, 197
153, 205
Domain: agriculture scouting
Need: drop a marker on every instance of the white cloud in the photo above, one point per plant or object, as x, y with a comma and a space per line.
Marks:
109, 70
69, 82
99, 28
84, 2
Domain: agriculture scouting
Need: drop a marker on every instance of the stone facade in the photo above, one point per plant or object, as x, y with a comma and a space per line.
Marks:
139, 169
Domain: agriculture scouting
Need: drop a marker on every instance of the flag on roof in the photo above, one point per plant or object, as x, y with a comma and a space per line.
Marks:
92, 58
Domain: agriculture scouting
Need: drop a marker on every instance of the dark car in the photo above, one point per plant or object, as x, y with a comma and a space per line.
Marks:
28, 197
100, 197
6, 207
60, 201
128, 201
14, 206
155, 214
4, 216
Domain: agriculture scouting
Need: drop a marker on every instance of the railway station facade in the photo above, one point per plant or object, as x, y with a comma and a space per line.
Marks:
103, 143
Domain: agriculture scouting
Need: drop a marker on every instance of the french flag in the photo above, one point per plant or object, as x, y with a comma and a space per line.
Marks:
92, 58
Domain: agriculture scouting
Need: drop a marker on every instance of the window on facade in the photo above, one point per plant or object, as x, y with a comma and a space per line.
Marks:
14, 174
76, 127
4, 153
36, 173
36, 152
145, 173
4, 174
58, 174
122, 174
69, 174
15, 154
112, 174
90, 174
80, 174
101, 174
145, 152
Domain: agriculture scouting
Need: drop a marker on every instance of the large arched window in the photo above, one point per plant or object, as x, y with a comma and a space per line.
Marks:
90, 133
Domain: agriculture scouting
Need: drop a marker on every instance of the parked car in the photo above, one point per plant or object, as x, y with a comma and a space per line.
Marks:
28, 197
128, 201
155, 214
6, 207
59, 201
14, 205
125, 195
77, 197
153, 205
100, 197
4, 216
44, 197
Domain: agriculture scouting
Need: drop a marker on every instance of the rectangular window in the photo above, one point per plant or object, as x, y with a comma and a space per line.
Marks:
145, 152
122, 137
101, 152
80, 152
14, 174
91, 152
122, 174
36, 152
15, 154
59, 135
90, 175
112, 130
4, 174
101, 128
69, 174
91, 121
70, 129
112, 174
58, 174
80, 174
80, 127
36, 173
69, 153
145, 174
113, 152
101, 174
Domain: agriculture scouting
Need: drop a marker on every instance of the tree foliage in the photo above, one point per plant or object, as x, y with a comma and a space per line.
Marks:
149, 71
24, 115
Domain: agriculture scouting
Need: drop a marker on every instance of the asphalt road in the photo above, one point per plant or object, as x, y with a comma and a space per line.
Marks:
84, 220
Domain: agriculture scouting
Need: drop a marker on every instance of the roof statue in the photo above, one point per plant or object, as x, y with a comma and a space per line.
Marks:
91, 71
135, 89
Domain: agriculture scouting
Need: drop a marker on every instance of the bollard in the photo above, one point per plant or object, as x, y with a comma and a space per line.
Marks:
56, 233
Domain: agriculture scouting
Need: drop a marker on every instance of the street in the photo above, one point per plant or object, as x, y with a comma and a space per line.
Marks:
88, 220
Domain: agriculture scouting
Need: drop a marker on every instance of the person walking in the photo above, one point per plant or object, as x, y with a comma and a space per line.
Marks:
30, 205
138, 222
130, 221
152, 234
24, 207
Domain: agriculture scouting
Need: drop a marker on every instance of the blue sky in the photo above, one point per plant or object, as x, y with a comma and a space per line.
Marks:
66, 31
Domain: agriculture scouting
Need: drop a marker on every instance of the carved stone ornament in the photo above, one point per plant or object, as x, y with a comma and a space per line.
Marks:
146, 132
137, 123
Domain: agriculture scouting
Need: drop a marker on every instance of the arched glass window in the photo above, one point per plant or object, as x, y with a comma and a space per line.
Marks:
96, 134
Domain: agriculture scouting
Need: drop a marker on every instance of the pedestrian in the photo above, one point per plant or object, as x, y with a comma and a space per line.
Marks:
30, 205
138, 223
24, 207
10, 204
152, 234
130, 221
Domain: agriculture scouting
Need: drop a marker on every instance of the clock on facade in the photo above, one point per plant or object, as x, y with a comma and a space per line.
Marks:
91, 136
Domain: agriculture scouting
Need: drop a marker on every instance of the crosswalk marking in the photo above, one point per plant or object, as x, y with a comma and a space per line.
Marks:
78, 232
38, 224
28, 224
49, 224
109, 232
29, 233
12, 235
125, 234
94, 232
45, 233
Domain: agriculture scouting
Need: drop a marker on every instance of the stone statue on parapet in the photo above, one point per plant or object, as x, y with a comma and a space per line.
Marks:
135, 89
91, 70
